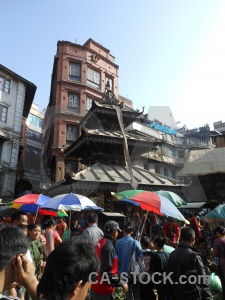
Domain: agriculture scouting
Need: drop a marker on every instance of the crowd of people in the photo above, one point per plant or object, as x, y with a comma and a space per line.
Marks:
36, 262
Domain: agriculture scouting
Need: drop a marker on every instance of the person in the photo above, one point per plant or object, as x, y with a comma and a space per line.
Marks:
76, 229
14, 266
171, 232
61, 226
36, 249
146, 287
19, 217
185, 261
93, 233
107, 255
124, 249
203, 251
52, 236
219, 250
158, 265
195, 225
82, 221
23, 228
67, 271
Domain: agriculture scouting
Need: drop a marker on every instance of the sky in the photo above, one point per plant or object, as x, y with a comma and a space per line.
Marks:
170, 52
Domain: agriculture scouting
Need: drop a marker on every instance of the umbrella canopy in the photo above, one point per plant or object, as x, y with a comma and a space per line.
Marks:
58, 213
32, 208
71, 202
173, 197
216, 216
31, 202
151, 201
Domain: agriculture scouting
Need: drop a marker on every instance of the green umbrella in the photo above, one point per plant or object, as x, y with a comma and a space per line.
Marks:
173, 197
216, 216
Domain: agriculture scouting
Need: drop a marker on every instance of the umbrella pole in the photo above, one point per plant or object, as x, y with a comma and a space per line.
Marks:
70, 222
36, 215
143, 225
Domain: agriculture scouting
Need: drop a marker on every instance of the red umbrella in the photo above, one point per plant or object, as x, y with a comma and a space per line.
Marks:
151, 201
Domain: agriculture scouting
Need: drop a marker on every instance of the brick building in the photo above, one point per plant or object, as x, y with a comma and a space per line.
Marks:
80, 73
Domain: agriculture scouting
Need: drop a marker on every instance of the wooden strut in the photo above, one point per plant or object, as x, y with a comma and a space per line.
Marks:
134, 183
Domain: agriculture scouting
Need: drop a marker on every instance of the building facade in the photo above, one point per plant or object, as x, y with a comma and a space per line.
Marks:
16, 96
29, 164
80, 73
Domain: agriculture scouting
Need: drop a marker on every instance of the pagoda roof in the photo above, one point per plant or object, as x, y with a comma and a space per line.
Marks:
103, 109
115, 174
141, 143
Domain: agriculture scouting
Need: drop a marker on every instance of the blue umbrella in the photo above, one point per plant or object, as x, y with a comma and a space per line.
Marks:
71, 202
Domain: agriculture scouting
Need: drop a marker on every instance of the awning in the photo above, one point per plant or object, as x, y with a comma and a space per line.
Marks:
193, 205
3, 135
112, 214
203, 162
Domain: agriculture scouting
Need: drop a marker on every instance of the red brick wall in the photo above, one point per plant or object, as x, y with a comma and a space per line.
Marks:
67, 52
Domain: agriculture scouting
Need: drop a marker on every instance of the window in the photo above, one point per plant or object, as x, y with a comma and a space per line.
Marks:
165, 172
157, 170
35, 136
3, 113
173, 174
74, 102
107, 79
71, 134
181, 153
32, 119
171, 152
74, 71
89, 103
93, 78
4, 84
32, 159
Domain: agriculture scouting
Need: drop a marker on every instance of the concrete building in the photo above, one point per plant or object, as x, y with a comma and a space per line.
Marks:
16, 96
80, 74
29, 165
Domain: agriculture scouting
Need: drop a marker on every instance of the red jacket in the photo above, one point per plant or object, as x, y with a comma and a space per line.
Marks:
112, 263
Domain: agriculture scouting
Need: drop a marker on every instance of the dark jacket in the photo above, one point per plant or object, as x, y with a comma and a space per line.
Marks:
158, 265
183, 261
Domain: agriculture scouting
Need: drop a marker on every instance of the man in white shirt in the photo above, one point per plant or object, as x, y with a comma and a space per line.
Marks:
93, 233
